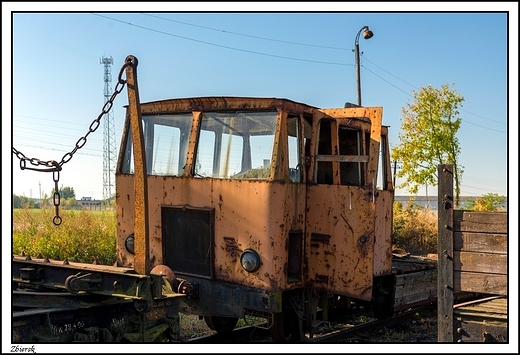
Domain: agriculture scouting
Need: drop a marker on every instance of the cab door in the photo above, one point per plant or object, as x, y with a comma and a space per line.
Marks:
341, 201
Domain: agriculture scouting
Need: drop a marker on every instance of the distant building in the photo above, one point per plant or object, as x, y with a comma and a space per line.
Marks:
88, 202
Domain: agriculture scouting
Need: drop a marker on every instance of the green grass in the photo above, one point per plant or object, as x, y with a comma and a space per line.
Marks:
83, 236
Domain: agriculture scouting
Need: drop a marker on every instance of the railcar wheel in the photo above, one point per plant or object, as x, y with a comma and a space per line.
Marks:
222, 325
286, 327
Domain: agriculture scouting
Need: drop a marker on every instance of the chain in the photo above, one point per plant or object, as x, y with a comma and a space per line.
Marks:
55, 167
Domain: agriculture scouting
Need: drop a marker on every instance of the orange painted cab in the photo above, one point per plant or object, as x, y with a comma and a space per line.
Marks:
253, 202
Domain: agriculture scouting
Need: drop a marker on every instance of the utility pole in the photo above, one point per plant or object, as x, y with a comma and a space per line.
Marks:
109, 138
427, 202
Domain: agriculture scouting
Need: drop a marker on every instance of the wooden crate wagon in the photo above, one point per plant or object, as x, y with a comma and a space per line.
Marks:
472, 248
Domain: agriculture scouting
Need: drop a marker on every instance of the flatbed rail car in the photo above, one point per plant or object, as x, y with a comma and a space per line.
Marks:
261, 207
62, 301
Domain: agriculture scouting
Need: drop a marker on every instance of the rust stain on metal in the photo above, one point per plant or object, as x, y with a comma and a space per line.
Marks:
232, 248
364, 244
321, 279
319, 237
346, 222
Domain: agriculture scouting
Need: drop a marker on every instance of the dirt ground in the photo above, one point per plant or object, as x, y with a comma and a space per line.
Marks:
421, 328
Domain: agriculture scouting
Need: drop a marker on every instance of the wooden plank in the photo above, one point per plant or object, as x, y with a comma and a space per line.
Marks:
480, 262
495, 308
482, 222
478, 316
414, 299
480, 242
415, 289
416, 294
423, 277
445, 324
493, 284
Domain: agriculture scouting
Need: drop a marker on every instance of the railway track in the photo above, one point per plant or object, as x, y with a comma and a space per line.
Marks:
337, 332
357, 326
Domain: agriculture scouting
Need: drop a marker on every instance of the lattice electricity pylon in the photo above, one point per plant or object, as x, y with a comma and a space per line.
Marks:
109, 136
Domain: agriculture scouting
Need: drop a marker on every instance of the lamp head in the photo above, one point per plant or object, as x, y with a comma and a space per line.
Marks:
367, 34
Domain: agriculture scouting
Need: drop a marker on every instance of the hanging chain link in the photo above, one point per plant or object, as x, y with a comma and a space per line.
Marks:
55, 167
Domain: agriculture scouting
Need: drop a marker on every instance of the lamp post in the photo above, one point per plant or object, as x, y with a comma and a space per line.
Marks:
367, 34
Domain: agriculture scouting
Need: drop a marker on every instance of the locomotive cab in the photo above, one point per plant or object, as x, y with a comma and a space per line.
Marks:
260, 206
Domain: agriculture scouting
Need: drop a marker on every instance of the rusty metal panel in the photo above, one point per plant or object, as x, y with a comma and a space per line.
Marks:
156, 192
125, 217
223, 103
141, 257
383, 234
340, 240
340, 219
261, 222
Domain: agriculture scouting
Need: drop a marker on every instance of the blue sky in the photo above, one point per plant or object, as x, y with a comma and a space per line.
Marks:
56, 89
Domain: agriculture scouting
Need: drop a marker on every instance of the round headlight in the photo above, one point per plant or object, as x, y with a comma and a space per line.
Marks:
250, 260
129, 243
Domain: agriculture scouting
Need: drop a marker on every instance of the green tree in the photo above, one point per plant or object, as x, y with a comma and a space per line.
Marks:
24, 202
428, 138
66, 192
71, 201
17, 201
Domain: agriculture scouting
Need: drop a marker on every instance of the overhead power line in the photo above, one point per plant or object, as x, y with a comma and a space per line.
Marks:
283, 57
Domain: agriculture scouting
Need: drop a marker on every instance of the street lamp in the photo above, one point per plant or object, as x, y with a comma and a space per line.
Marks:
367, 34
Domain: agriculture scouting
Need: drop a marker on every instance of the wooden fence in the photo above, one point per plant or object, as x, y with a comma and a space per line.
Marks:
472, 251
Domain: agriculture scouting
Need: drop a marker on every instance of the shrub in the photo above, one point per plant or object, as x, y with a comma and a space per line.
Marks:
488, 202
415, 229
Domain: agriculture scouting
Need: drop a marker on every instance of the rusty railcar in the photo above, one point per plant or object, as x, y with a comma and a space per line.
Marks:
261, 207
